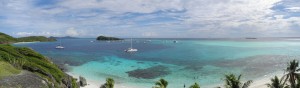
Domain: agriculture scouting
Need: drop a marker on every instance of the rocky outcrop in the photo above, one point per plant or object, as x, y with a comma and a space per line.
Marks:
25, 79
67, 81
103, 86
82, 81
40, 71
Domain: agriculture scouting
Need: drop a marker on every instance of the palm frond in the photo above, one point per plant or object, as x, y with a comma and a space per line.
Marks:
239, 77
247, 84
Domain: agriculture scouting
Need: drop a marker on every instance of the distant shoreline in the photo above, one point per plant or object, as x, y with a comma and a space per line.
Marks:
25, 42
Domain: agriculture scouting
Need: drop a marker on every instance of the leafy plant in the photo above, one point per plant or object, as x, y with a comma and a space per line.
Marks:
231, 81
162, 83
196, 85
276, 83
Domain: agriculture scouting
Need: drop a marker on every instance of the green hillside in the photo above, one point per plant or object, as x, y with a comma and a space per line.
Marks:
35, 38
23, 58
6, 39
7, 69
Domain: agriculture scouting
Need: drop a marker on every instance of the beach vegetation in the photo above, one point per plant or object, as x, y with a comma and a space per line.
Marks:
276, 83
232, 81
162, 83
292, 76
196, 85
109, 83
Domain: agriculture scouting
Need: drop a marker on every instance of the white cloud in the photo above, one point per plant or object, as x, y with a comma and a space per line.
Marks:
150, 34
44, 33
24, 33
193, 18
294, 9
71, 32
135, 6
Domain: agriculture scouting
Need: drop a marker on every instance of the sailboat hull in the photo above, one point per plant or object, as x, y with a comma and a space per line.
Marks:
131, 50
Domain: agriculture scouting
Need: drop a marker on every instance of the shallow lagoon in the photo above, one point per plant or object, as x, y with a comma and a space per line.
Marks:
188, 61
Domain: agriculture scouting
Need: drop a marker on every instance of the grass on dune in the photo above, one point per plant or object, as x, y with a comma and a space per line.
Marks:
7, 69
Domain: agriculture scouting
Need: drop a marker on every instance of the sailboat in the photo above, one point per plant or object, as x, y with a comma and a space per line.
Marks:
59, 46
131, 49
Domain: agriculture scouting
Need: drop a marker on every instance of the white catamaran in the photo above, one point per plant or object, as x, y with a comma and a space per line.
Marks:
131, 49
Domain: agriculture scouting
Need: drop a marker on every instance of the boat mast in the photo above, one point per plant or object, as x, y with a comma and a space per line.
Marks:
131, 43
60, 43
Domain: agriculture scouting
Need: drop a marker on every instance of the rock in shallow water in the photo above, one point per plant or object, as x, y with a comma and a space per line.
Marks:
149, 73
82, 81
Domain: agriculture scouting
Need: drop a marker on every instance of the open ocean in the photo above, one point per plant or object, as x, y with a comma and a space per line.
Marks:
190, 60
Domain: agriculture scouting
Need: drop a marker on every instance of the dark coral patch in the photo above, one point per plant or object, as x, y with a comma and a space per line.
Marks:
149, 73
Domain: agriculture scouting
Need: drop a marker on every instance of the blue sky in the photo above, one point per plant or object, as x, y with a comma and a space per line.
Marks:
151, 18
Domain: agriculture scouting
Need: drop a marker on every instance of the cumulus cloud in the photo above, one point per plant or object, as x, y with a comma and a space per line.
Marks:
45, 33
153, 18
72, 32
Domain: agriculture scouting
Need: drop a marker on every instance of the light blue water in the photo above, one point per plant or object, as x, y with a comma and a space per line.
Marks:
188, 61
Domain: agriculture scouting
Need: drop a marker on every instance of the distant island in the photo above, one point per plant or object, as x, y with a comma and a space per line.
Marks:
7, 39
35, 38
250, 38
105, 38
66, 37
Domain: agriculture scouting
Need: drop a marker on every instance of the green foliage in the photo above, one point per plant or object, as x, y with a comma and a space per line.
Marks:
276, 83
109, 83
74, 83
196, 85
9, 50
35, 38
7, 69
231, 81
162, 83
27, 59
29, 52
107, 38
292, 76
6, 39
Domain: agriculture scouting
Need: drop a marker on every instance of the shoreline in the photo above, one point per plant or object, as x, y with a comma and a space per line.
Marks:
97, 84
90, 83
261, 82
25, 42
257, 83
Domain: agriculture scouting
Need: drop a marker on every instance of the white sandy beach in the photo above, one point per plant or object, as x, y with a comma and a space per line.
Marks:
261, 82
97, 84
26, 42
257, 83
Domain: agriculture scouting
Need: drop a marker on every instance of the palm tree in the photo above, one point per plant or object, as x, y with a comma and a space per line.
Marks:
292, 76
196, 85
275, 83
109, 83
161, 83
231, 81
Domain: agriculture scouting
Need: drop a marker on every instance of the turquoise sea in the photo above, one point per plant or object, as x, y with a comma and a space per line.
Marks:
190, 60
